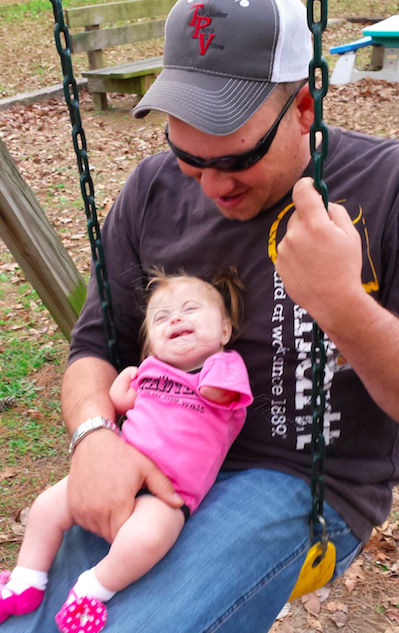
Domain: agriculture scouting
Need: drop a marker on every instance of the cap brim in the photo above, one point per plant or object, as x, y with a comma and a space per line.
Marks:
217, 105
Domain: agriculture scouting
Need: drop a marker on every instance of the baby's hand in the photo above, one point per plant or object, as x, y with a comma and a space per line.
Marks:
122, 394
131, 372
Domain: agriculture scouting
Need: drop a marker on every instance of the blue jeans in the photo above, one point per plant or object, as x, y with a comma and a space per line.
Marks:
231, 570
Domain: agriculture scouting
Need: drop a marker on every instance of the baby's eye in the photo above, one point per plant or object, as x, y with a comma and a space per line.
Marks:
160, 317
190, 309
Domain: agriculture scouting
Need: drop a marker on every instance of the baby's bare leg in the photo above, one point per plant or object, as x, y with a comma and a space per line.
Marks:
142, 541
49, 518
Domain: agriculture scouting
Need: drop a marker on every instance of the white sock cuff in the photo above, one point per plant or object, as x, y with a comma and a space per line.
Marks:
88, 585
29, 577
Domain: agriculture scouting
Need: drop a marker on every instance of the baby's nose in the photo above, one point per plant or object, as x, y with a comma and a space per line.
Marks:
175, 318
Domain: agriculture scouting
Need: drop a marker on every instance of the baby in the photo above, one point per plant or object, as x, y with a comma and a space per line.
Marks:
185, 405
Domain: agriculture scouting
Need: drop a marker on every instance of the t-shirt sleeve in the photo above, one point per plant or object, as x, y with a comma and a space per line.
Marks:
227, 370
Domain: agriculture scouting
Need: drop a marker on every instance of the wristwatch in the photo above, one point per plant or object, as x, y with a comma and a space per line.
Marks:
88, 427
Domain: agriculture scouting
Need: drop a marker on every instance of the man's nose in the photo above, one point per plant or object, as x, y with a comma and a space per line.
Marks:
216, 183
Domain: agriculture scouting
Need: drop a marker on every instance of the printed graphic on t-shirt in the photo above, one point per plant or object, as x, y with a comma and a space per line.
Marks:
291, 337
278, 228
171, 391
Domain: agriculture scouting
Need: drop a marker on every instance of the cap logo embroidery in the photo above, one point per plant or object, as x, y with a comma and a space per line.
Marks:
201, 22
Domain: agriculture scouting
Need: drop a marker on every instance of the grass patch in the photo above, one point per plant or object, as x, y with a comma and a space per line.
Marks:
29, 353
33, 9
33, 440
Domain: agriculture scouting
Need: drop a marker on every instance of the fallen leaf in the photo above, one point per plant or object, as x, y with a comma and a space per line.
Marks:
18, 526
8, 473
339, 618
284, 611
314, 624
323, 593
393, 614
10, 538
311, 602
350, 583
287, 628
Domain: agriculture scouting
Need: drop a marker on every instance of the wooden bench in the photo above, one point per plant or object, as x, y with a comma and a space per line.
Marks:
132, 77
383, 37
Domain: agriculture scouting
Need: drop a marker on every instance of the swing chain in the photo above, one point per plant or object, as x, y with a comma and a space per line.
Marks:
318, 90
63, 44
318, 63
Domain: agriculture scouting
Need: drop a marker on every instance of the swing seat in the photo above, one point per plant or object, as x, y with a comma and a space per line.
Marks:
315, 573
383, 37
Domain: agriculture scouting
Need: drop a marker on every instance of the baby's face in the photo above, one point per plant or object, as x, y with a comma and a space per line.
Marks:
186, 323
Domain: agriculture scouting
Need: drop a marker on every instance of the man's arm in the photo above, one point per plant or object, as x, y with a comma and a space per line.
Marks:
320, 263
106, 473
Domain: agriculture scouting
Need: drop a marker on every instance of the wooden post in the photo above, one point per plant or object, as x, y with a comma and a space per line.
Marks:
96, 61
37, 248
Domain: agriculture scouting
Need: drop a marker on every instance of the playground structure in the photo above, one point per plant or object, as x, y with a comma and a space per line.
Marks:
383, 38
27, 233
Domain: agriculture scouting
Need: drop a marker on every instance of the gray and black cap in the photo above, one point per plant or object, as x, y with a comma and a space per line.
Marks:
223, 58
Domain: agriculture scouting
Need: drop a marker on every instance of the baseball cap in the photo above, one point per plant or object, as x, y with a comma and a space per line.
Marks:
223, 59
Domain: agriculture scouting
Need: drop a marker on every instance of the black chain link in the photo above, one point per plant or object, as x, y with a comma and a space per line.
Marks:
86, 184
318, 90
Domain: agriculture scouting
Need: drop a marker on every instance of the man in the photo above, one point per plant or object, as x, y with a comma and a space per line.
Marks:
234, 73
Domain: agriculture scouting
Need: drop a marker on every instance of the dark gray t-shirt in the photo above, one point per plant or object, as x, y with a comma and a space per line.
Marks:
162, 219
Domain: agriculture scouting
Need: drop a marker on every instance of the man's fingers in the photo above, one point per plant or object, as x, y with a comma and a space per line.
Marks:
307, 200
339, 215
161, 487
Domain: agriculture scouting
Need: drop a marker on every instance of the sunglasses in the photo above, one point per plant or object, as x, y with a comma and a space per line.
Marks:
235, 162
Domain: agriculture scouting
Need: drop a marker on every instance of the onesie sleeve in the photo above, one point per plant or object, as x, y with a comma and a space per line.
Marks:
227, 370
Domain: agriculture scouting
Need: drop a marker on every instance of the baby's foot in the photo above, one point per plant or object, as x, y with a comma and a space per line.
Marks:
12, 603
83, 615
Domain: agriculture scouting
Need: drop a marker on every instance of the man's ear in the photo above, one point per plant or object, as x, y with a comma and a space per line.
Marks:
305, 106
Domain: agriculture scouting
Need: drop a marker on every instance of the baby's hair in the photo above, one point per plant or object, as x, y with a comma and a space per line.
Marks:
225, 281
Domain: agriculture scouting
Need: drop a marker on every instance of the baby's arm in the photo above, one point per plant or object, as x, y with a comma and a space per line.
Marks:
121, 393
224, 380
218, 395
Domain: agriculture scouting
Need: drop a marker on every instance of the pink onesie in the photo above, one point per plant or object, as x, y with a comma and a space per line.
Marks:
185, 434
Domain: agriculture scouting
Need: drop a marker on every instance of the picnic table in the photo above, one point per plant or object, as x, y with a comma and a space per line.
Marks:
383, 38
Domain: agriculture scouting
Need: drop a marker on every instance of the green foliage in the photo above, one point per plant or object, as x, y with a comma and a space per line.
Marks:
20, 355
33, 9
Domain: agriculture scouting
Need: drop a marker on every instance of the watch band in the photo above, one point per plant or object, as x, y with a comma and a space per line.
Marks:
88, 427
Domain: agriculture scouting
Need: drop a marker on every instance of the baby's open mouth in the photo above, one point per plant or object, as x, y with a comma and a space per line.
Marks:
181, 333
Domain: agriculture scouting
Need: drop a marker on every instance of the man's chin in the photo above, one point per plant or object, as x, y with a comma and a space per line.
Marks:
241, 214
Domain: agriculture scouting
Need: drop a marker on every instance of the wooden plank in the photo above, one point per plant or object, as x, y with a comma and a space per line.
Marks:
127, 71
116, 11
37, 248
107, 38
133, 86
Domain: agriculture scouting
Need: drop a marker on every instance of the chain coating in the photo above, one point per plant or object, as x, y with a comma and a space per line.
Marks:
318, 132
63, 44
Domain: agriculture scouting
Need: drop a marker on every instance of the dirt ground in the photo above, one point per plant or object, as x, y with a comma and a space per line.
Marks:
366, 599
